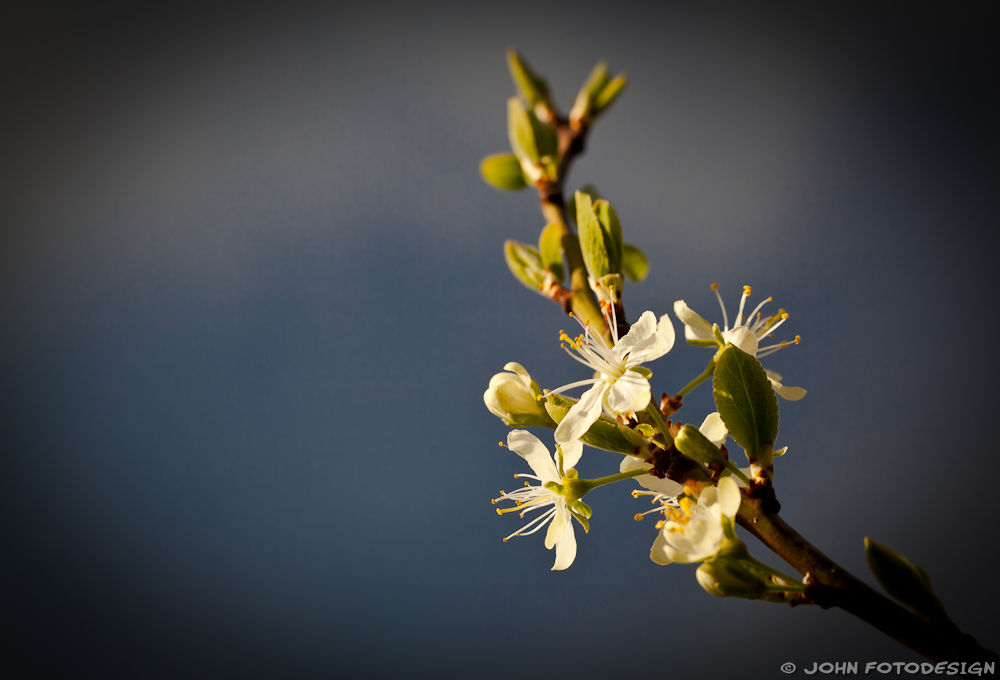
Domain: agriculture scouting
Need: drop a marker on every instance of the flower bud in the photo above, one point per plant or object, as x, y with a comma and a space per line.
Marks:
512, 397
726, 577
693, 444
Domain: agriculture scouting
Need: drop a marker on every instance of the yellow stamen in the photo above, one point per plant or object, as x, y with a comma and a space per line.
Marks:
746, 290
715, 286
638, 517
505, 540
798, 339
501, 443
686, 505
688, 491
659, 525
784, 315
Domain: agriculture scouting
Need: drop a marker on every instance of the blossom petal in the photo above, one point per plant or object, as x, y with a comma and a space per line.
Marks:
657, 552
772, 376
629, 393
558, 525
789, 393
663, 342
571, 453
666, 486
714, 429
641, 333
527, 445
729, 496
565, 548
521, 373
582, 414
742, 338
695, 327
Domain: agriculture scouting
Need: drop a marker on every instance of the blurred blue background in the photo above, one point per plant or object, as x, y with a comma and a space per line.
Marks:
253, 290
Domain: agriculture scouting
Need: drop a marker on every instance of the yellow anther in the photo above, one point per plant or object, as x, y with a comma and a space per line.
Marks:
746, 290
783, 344
500, 512
494, 501
780, 312
688, 491
635, 494
660, 524
505, 540
715, 286
798, 339
500, 443
686, 505
638, 517
784, 315
770, 299
527, 484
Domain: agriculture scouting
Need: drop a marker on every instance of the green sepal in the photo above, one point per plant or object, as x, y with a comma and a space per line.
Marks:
571, 203
503, 171
525, 264
595, 252
551, 251
532, 87
643, 371
902, 579
582, 508
581, 519
592, 88
634, 263
609, 94
746, 401
612, 229
606, 433
693, 444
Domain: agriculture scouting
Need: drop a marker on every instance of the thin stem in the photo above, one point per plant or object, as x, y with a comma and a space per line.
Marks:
591, 484
830, 585
731, 466
658, 419
705, 375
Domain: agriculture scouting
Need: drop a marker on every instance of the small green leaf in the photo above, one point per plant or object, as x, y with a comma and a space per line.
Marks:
592, 87
606, 433
520, 131
902, 579
634, 264
551, 251
746, 401
524, 264
645, 430
612, 229
546, 140
609, 94
595, 253
503, 171
571, 203
532, 86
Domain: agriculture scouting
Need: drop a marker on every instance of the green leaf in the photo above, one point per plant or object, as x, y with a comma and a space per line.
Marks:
592, 87
634, 264
520, 131
746, 401
609, 94
503, 171
571, 203
595, 253
612, 229
524, 264
532, 86
902, 579
551, 251
606, 433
